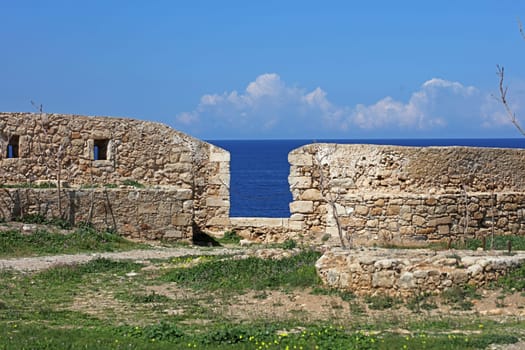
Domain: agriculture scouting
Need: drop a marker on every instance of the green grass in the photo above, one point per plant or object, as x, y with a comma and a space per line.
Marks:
168, 335
250, 273
43, 220
500, 243
42, 296
41, 242
230, 237
382, 302
30, 185
513, 281
36, 313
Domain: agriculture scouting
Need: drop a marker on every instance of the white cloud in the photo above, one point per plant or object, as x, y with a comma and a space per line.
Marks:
429, 107
269, 105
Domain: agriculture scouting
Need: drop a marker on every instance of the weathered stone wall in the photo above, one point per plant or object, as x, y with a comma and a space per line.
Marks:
408, 272
52, 146
390, 193
133, 213
267, 230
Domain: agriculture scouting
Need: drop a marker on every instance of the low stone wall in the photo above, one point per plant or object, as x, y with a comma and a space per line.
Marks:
407, 272
151, 214
266, 230
394, 194
401, 219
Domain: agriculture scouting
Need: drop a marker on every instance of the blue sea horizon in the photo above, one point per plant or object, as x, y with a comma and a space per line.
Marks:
259, 168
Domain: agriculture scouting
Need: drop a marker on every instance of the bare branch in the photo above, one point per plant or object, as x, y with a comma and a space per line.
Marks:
503, 96
326, 194
521, 29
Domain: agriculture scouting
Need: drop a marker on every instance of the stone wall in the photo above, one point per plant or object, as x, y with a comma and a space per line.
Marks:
393, 194
150, 214
409, 272
267, 230
86, 151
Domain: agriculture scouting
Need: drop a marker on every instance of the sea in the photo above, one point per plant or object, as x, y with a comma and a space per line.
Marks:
259, 169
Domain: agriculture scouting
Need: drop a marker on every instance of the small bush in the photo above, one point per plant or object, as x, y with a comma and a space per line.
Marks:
31, 219
513, 281
420, 302
459, 297
230, 237
289, 244
163, 331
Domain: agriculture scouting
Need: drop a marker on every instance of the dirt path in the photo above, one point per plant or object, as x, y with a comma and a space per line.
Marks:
45, 262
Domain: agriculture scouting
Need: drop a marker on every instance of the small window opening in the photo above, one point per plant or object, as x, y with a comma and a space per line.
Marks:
13, 146
100, 149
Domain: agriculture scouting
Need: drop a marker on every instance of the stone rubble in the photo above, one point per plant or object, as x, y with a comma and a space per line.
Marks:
409, 272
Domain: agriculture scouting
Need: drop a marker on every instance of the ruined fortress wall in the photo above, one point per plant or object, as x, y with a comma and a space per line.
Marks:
390, 193
85, 151
151, 214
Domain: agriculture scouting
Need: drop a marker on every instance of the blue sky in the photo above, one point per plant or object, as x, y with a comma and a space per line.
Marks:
270, 69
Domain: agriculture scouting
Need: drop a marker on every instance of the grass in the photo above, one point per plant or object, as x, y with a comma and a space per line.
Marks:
30, 185
513, 281
382, 302
35, 315
230, 237
500, 242
41, 242
43, 220
460, 297
168, 335
250, 273
188, 302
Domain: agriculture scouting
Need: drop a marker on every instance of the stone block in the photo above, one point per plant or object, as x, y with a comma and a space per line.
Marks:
300, 181
218, 221
183, 194
361, 210
376, 211
297, 217
258, 222
393, 210
407, 230
296, 225
418, 220
379, 202
300, 159
148, 208
305, 207
407, 281
444, 229
173, 234
383, 279
217, 202
181, 220
222, 156
372, 223
431, 201
220, 179
311, 194
444, 220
